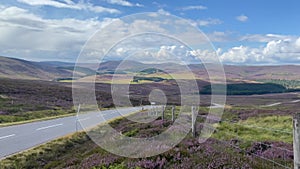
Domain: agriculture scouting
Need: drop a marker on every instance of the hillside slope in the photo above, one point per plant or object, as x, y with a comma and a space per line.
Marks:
22, 69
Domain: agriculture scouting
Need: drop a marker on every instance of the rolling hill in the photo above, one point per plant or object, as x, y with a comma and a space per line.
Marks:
21, 69
287, 72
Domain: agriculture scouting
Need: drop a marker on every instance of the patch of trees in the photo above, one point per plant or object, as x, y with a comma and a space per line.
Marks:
245, 89
64, 78
154, 79
150, 71
289, 84
111, 72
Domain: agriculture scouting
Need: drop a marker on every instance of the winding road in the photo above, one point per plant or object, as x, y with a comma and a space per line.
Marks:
17, 138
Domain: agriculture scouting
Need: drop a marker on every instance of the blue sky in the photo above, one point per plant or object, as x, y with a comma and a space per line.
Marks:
243, 32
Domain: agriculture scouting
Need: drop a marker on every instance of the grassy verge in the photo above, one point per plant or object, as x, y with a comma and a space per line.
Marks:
12, 113
26, 117
34, 116
35, 120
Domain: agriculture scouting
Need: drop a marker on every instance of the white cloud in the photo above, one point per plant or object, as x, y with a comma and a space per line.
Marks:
297, 43
274, 52
163, 12
26, 35
70, 4
238, 54
219, 36
172, 53
206, 22
53, 3
30, 36
270, 54
166, 51
209, 22
242, 18
123, 3
40, 38
159, 5
167, 33
264, 38
204, 55
120, 51
196, 7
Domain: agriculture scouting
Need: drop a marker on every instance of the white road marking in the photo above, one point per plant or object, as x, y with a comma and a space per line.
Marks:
43, 128
215, 106
100, 115
3, 137
295, 101
270, 105
84, 119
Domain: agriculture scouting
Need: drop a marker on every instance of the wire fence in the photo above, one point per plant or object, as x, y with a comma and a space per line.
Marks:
267, 152
258, 153
280, 157
255, 155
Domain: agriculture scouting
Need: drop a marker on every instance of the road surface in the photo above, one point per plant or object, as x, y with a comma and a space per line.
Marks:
17, 138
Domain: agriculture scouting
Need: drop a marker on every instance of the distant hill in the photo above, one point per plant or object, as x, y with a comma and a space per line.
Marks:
51, 70
56, 63
120, 66
21, 69
287, 72
134, 66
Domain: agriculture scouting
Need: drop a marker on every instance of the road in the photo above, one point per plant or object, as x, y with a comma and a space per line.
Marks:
17, 138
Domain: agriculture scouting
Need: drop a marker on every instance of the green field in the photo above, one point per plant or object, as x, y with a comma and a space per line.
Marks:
269, 128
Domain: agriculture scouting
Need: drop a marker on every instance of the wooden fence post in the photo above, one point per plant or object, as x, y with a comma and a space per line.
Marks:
296, 141
78, 111
173, 113
193, 121
163, 113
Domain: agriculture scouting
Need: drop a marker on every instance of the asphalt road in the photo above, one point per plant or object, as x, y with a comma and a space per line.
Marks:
17, 138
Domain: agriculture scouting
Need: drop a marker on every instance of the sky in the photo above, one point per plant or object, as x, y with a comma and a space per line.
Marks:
249, 32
